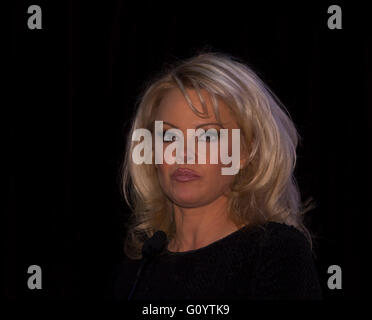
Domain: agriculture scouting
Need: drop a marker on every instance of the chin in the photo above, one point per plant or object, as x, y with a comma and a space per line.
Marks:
187, 201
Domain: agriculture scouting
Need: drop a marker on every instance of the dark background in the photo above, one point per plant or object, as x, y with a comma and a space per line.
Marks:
73, 87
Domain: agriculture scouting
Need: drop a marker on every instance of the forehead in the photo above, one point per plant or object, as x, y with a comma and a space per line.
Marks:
175, 109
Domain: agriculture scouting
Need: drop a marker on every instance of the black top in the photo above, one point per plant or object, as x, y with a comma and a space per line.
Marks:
273, 262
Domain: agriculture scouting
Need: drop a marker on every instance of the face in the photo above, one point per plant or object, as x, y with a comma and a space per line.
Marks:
175, 113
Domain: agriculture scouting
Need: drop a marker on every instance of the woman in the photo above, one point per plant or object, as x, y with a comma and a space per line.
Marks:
234, 236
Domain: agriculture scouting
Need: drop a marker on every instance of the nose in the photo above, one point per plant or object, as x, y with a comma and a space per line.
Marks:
188, 158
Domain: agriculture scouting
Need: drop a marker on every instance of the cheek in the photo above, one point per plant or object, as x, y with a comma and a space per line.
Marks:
214, 177
162, 170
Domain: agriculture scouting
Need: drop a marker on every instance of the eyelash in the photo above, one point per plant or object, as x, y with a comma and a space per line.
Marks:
164, 131
166, 141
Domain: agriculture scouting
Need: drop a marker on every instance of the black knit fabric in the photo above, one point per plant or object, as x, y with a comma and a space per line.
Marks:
273, 261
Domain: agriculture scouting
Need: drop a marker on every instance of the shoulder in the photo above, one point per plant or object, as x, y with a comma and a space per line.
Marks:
271, 242
285, 265
276, 236
121, 278
276, 244
279, 241
124, 267
280, 235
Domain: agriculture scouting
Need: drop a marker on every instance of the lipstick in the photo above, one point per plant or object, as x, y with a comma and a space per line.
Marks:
185, 175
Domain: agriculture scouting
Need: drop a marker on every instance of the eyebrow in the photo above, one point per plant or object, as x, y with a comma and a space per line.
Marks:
198, 126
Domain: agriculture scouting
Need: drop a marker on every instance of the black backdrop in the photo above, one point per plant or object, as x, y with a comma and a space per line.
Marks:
73, 87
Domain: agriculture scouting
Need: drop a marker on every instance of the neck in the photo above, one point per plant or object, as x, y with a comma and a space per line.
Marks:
200, 226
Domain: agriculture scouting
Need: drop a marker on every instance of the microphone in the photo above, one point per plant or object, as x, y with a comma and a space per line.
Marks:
152, 247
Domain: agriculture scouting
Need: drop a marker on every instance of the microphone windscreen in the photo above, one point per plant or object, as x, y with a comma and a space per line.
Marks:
155, 244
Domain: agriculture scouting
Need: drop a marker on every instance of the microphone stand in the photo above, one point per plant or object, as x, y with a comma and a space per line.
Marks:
152, 247
137, 278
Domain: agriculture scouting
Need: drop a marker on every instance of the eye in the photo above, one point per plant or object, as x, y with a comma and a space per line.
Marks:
169, 137
209, 138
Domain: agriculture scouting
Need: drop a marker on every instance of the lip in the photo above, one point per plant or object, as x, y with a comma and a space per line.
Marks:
184, 175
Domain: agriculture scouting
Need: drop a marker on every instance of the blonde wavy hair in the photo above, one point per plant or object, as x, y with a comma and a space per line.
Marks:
264, 189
